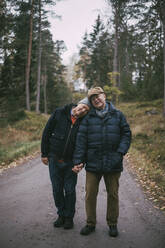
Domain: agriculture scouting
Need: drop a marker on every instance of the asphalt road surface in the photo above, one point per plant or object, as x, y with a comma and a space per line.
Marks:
27, 212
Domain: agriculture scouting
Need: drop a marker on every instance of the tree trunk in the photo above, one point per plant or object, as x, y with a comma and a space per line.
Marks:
115, 58
45, 95
164, 63
162, 17
115, 64
127, 54
27, 76
39, 63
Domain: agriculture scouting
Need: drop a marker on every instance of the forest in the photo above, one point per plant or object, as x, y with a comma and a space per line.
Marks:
124, 53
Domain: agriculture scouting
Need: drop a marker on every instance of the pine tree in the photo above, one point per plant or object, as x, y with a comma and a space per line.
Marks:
94, 61
27, 76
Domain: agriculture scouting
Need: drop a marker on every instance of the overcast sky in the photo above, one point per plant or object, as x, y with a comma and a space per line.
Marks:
77, 16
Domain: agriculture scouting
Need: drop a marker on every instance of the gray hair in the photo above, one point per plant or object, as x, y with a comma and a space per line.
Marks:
85, 101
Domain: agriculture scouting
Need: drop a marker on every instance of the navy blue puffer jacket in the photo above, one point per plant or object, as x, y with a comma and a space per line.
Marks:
102, 142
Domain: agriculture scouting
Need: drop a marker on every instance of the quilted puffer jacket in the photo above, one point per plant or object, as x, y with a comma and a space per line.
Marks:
102, 142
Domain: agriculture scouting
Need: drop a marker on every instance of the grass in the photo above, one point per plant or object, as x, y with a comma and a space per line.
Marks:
147, 152
20, 136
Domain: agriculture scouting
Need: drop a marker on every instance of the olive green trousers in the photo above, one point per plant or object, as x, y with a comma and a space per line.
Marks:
92, 186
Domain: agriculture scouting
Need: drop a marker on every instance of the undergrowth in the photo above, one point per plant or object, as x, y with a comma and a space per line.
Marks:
20, 135
147, 152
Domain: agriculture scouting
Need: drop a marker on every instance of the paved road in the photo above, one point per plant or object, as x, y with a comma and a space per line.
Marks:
27, 213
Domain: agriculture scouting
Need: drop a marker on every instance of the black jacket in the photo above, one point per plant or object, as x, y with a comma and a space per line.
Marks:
59, 135
102, 142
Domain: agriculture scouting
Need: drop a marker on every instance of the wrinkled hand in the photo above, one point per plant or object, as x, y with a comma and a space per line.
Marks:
77, 168
45, 160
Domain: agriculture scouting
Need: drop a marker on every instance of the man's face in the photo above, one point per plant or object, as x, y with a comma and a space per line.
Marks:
98, 101
80, 110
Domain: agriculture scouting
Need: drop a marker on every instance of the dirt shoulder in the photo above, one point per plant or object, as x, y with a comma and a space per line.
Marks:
153, 191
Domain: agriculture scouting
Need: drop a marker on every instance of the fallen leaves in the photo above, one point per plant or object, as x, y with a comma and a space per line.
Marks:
17, 162
154, 192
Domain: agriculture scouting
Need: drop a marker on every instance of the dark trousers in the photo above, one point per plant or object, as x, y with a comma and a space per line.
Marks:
64, 182
92, 186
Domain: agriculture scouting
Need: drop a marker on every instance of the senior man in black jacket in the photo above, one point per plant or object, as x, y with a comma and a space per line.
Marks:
103, 139
57, 146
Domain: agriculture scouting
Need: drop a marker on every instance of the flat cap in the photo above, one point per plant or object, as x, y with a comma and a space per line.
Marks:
95, 91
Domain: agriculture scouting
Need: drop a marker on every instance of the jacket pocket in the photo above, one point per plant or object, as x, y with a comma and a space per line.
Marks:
56, 139
57, 136
115, 160
93, 155
56, 142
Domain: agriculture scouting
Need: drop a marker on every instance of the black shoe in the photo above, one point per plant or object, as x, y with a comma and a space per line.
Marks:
113, 232
86, 230
59, 222
68, 224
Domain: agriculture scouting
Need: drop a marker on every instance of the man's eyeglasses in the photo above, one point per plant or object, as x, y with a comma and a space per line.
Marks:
94, 97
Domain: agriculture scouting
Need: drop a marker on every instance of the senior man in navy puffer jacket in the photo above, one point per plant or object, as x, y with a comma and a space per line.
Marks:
103, 139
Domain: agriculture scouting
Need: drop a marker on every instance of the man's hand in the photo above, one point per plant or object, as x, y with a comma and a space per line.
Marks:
77, 168
45, 160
